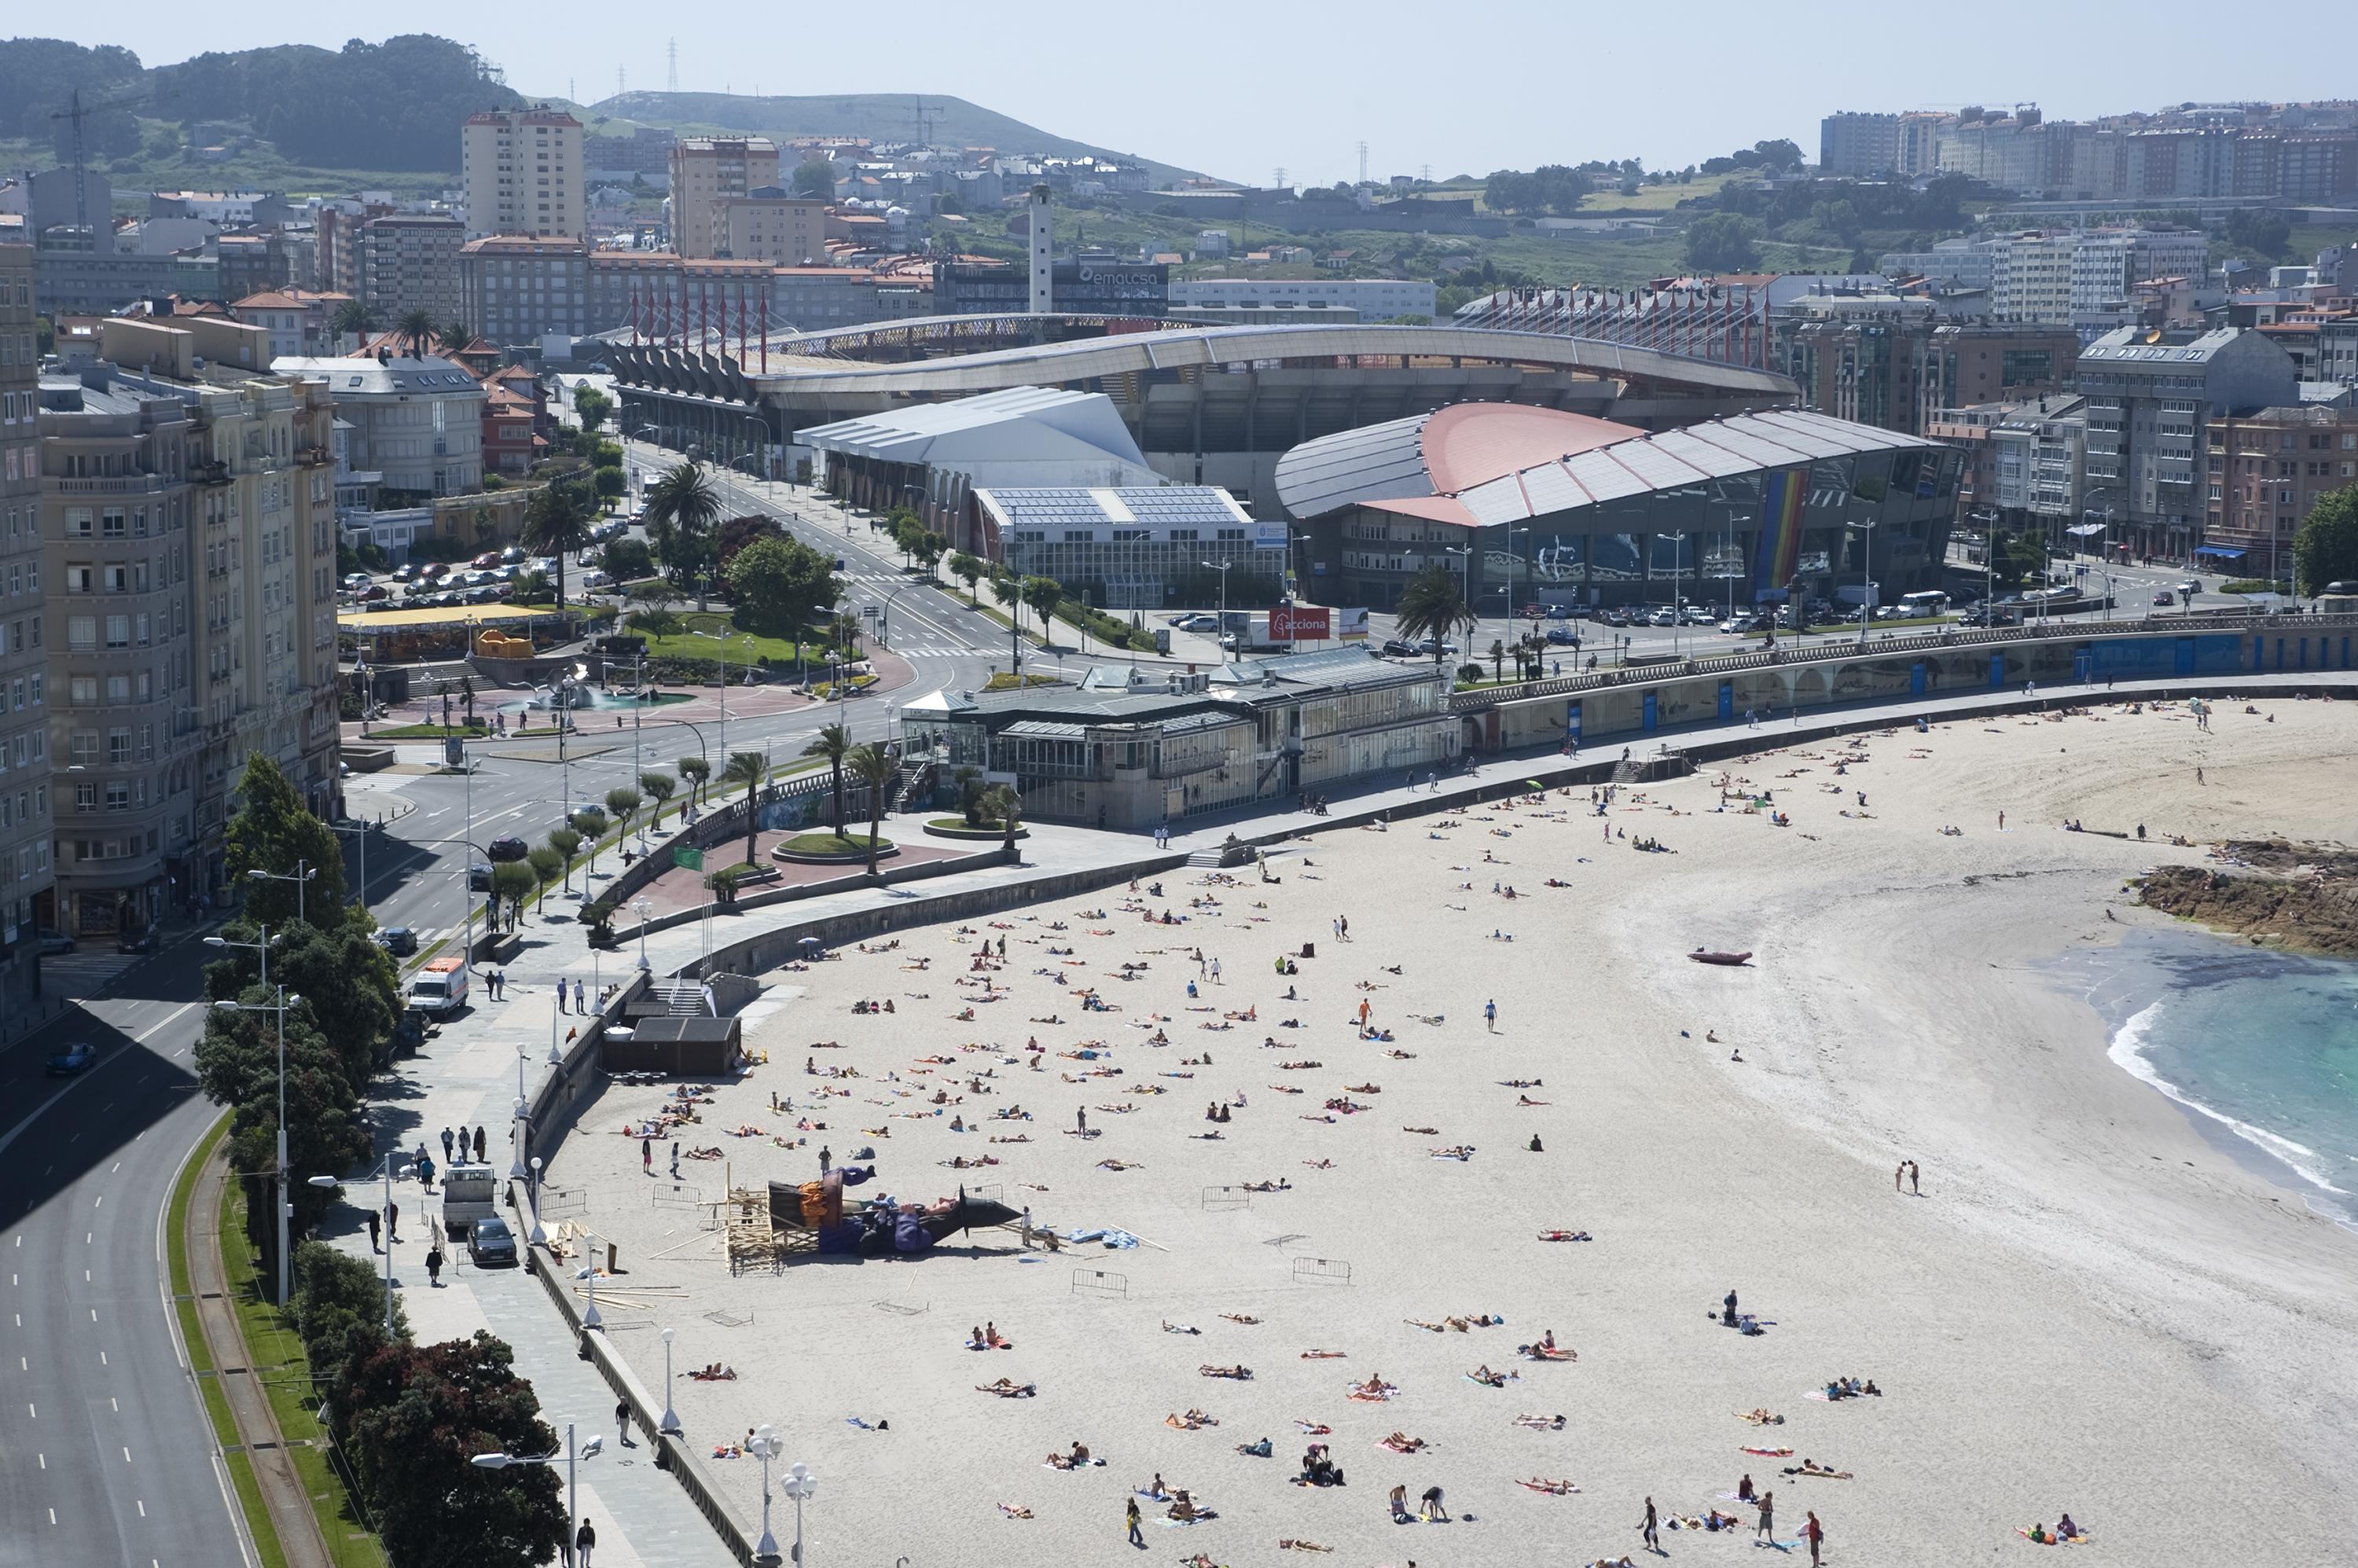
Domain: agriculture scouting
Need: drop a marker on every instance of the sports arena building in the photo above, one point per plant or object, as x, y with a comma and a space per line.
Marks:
1546, 508
1216, 405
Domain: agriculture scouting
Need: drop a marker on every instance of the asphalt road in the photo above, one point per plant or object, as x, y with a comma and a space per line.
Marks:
105, 1454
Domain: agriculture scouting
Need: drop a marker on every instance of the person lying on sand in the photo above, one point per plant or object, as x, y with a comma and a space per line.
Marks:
1427, 1132
717, 1372
1487, 1379
1811, 1468
1015, 1510
1007, 1389
1759, 1416
1540, 1422
1193, 1421
1288, 1543
1400, 1443
1565, 1236
1375, 1386
1262, 1450
1171, 1327
1545, 1353
1242, 1373
1238, 1317
1555, 1488
1321, 1356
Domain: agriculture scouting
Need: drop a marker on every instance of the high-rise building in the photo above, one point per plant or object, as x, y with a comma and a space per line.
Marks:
25, 873
2267, 469
2152, 396
706, 170
523, 174
1851, 143
410, 262
1896, 363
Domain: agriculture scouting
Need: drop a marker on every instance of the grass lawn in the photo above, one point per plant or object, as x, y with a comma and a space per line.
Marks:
241, 1468
829, 843
1002, 681
427, 732
276, 1354
744, 647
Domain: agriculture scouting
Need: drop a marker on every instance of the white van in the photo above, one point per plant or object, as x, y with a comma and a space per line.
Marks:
470, 1192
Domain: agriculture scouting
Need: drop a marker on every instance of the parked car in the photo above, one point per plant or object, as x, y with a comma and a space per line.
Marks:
597, 579
434, 569
137, 941
398, 940
2191, 587
513, 555
1665, 616
487, 594
75, 1058
1615, 617
1398, 649
489, 1241
507, 847
1198, 623
485, 561
1563, 634
356, 579
375, 593
53, 942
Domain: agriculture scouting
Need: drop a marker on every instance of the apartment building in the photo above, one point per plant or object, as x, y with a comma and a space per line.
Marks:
2038, 451
189, 528
519, 289
769, 224
1896, 363
25, 872
2030, 279
410, 262
418, 422
522, 171
2266, 469
707, 170
2152, 396
299, 321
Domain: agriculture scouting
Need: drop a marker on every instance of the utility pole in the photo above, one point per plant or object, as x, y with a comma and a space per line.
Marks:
671, 57
1363, 163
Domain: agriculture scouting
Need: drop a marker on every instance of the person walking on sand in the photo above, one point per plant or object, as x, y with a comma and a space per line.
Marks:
1216, 972
648, 1155
1899, 1175
2001, 821
1135, 1539
1768, 1517
1915, 1179
1490, 1015
1081, 1119
1647, 1528
1815, 1534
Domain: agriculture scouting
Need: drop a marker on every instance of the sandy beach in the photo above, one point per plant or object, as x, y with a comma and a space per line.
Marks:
2091, 1306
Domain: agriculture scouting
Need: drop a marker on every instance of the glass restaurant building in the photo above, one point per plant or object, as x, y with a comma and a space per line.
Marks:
1536, 506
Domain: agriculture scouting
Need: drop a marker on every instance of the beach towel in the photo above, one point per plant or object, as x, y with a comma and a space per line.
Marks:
1203, 1514
1771, 1452
2023, 1532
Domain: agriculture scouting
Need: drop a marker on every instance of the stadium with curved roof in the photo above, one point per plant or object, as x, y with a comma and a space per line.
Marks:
1206, 404
1555, 509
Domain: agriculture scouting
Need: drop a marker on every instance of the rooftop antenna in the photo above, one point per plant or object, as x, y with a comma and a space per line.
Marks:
1363, 163
1424, 172
76, 113
671, 56
1277, 177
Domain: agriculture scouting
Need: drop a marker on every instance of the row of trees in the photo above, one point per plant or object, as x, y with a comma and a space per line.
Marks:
336, 1033
410, 1418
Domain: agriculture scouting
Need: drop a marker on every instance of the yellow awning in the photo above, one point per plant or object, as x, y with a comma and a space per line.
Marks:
448, 615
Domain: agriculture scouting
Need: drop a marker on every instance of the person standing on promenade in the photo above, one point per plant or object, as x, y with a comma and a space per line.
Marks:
446, 1146
376, 1243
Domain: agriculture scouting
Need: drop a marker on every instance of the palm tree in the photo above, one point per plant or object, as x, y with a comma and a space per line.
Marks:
557, 523
1434, 606
746, 768
415, 331
683, 503
833, 743
658, 789
695, 770
355, 317
874, 766
1001, 801
454, 336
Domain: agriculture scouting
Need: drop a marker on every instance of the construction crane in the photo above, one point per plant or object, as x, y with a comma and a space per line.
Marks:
77, 113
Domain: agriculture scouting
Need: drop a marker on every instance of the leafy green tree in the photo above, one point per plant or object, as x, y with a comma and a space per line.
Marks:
969, 569
1044, 594
591, 824
611, 486
928, 549
567, 843
628, 560
873, 766
237, 1066
2325, 550
512, 883
548, 865
622, 801
349, 984
592, 406
1008, 588
814, 177
834, 743
695, 770
1433, 604
275, 831
1723, 242
423, 1412
338, 1313
778, 584
658, 789
557, 523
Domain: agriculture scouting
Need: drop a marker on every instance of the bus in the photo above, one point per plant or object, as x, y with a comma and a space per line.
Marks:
1917, 606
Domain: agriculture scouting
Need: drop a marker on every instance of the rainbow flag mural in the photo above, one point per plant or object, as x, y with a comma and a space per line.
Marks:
1779, 551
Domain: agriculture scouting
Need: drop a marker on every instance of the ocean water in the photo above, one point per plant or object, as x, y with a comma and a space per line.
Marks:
2260, 1047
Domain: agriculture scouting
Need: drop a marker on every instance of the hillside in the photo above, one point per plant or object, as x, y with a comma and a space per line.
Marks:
880, 116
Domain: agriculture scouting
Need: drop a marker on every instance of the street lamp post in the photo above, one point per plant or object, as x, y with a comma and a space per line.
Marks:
390, 1170
572, 1493
669, 1425
589, 1319
1678, 584
286, 1204
539, 1236
646, 909
722, 638
1865, 527
1221, 635
301, 876
1465, 592
799, 1485
359, 831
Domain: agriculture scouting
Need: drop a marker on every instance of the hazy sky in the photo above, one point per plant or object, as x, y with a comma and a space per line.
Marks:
1238, 89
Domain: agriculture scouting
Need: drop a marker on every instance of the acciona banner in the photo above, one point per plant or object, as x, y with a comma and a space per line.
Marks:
1298, 624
